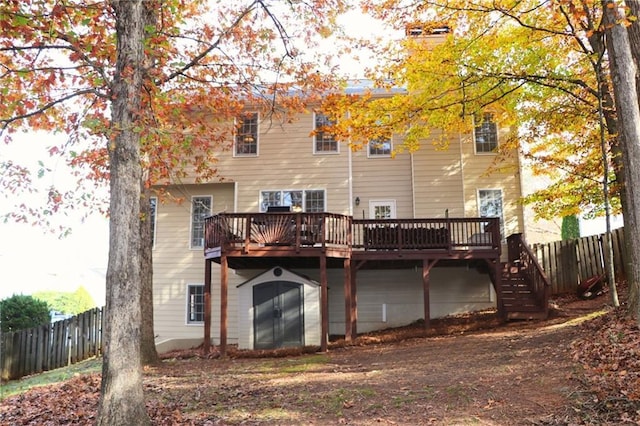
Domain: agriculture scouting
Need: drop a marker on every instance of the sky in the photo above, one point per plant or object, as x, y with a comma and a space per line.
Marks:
32, 258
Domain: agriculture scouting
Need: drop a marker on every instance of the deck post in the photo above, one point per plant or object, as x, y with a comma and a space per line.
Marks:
497, 272
224, 285
349, 302
207, 306
354, 304
426, 268
324, 302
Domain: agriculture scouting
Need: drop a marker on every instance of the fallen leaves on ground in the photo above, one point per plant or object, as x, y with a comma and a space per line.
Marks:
599, 370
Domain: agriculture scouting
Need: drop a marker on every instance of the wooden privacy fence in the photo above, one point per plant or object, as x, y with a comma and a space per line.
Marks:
566, 263
51, 346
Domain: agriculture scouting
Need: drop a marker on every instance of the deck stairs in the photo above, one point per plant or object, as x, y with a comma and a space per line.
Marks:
523, 288
518, 297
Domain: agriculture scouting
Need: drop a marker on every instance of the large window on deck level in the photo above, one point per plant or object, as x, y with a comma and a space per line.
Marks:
309, 200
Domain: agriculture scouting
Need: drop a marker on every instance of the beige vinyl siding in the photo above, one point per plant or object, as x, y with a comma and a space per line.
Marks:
507, 179
438, 180
286, 161
175, 265
452, 290
382, 178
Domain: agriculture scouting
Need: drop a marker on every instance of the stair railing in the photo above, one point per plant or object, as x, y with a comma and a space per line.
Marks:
521, 256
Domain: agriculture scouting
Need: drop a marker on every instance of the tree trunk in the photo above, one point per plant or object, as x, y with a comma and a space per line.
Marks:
633, 32
148, 352
624, 72
121, 395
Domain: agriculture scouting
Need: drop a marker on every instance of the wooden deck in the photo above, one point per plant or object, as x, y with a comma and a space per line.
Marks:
327, 240
251, 240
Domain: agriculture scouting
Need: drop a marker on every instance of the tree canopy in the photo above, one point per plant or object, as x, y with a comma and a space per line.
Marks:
71, 303
537, 66
203, 59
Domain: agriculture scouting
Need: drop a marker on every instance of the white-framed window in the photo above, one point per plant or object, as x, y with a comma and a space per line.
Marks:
246, 138
200, 210
380, 147
485, 133
490, 205
323, 141
195, 304
382, 209
153, 207
308, 200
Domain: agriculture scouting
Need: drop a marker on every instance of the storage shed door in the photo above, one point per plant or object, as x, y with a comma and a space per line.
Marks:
277, 314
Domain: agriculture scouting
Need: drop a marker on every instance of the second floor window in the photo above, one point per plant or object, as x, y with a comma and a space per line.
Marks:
311, 201
380, 147
246, 142
324, 141
485, 133
200, 209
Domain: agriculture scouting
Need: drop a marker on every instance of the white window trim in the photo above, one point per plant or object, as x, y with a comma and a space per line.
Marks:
155, 223
315, 151
501, 218
380, 202
369, 155
304, 196
235, 152
475, 145
210, 197
186, 306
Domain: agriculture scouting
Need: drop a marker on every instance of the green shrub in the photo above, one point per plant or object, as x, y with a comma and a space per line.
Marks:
570, 228
19, 312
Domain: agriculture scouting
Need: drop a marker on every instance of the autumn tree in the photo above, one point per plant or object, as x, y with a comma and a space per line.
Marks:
535, 65
145, 91
539, 67
71, 303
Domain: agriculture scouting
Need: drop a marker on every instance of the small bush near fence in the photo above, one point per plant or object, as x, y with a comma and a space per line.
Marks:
52, 345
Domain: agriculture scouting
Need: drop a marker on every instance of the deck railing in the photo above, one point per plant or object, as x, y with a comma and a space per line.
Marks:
277, 229
411, 234
301, 230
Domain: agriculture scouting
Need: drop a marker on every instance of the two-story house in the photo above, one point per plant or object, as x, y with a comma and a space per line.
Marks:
306, 238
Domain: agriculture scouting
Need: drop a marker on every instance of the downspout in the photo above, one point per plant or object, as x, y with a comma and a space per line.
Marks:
235, 197
464, 197
350, 177
413, 186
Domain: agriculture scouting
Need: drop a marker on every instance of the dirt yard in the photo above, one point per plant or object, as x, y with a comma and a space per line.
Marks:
480, 373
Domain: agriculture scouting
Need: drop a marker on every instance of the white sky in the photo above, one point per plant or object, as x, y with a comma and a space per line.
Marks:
34, 259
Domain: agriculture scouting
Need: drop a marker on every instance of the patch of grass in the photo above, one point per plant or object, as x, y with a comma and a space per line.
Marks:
406, 398
302, 364
15, 387
458, 392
